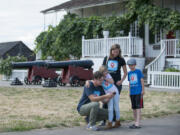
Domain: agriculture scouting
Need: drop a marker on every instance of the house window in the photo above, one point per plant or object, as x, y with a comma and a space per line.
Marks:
155, 38
158, 37
134, 29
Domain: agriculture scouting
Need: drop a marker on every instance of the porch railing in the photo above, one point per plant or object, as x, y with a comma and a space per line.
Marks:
100, 47
156, 76
172, 47
159, 62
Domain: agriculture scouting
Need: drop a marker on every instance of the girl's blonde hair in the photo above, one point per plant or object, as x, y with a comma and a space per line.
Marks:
113, 47
102, 69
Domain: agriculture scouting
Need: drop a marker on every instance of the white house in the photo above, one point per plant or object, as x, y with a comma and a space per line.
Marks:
145, 48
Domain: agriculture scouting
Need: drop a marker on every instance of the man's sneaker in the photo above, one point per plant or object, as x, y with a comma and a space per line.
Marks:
92, 128
102, 123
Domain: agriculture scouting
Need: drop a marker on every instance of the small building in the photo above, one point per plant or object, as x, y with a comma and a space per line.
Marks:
16, 48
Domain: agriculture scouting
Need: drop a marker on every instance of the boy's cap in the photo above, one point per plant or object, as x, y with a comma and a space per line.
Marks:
131, 62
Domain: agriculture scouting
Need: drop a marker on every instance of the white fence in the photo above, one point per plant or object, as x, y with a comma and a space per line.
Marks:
100, 47
20, 74
165, 79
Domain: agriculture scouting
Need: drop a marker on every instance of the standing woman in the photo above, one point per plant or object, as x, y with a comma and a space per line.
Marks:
114, 63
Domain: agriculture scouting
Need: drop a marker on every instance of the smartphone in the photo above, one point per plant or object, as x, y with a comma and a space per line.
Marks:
114, 92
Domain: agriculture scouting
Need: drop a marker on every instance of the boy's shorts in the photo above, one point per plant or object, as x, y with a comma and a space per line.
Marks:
137, 101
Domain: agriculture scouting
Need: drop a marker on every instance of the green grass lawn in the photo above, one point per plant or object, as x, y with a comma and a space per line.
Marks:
25, 108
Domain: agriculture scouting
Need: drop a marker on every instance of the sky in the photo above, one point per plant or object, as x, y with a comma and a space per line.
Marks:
22, 20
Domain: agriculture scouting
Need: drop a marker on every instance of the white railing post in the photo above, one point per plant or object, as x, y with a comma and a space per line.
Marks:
148, 76
130, 42
83, 51
141, 48
175, 48
152, 79
161, 44
105, 47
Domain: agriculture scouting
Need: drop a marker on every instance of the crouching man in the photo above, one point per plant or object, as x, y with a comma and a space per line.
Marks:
89, 103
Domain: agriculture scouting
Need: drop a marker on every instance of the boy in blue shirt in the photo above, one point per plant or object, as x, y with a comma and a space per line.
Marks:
136, 89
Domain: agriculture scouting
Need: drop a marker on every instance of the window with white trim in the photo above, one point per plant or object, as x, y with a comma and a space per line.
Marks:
155, 38
134, 29
158, 37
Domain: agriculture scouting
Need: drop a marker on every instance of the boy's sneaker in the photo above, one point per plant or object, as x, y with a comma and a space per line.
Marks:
134, 127
92, 128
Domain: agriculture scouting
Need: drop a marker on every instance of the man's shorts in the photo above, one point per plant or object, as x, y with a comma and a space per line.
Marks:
137, 101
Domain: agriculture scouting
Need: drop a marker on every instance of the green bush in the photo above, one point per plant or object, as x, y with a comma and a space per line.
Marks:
172, 70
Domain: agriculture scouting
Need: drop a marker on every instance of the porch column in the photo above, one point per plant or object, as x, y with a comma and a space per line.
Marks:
106, 35
39, 55
44, 22
129, 47
146, 31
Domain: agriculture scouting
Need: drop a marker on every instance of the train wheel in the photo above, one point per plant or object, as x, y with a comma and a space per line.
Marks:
59, 81
81, 82
37, 80
40, 81
74, 81
26, 81
61, 84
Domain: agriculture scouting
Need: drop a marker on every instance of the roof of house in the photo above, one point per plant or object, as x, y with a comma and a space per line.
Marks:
78, 4
6, 46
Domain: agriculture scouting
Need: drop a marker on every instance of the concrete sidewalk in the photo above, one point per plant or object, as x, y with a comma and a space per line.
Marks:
169, 125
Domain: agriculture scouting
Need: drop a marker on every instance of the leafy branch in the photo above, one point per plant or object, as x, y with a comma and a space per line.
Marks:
5, 65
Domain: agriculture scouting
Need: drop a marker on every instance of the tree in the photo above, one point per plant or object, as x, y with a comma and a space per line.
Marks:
5, 65
64, 40
157, 17
45, 41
